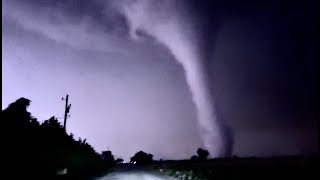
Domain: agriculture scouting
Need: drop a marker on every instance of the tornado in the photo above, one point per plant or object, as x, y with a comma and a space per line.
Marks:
171, 23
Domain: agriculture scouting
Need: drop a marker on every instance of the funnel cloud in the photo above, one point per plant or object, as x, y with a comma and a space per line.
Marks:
168, 22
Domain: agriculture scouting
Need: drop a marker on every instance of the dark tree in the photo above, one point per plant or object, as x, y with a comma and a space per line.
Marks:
108, 158
194, 158
21, 144
39, 150
202, 154
119, 160
141, 158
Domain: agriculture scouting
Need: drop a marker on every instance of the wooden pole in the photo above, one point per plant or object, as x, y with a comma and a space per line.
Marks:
66, 111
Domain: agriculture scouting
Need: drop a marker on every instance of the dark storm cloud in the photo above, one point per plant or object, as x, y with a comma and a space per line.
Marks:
267, 76
71, 22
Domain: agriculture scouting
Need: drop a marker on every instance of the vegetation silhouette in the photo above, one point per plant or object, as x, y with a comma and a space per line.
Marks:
202, 155
41, 149
119, 160
108, 159
141, 158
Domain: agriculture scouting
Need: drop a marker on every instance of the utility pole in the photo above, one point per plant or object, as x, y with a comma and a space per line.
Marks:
66, 111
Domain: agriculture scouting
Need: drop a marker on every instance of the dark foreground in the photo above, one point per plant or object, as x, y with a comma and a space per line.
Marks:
257, 168
235, 168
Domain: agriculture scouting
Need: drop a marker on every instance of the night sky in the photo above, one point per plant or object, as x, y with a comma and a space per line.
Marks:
129, 93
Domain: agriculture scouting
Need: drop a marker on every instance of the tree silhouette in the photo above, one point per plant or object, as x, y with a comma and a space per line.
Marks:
21, 143
40, 149
119, 160
107, 157
194, 158
108, 160
202, 154
141, 158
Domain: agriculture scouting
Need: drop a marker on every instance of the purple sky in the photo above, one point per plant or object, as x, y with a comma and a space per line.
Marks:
130, 95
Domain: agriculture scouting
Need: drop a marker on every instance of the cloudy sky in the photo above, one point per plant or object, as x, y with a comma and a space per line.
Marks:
131, 94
